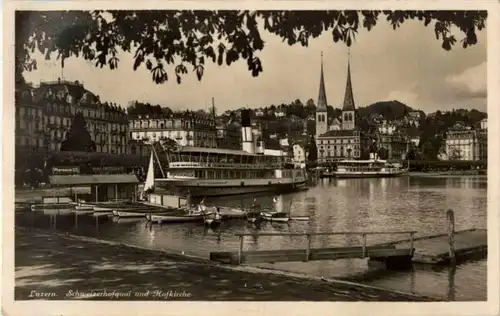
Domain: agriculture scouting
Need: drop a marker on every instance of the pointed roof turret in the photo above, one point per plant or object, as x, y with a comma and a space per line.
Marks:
348, 98
322, 103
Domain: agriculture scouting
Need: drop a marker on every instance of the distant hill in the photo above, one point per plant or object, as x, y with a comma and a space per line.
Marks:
390, 110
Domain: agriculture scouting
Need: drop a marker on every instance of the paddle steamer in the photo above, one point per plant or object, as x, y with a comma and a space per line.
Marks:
372, 168
200, 172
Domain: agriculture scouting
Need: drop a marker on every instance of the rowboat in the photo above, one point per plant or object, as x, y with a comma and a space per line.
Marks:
84, 207
117, 212
299, 218
126, 220
176, 217
254, 217
102, 214
83, 211
130, 213
57, 211
211, 222
98, 211
281, 217
102, 209
40, 207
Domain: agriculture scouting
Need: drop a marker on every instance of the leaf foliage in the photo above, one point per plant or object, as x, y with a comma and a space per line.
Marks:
186, 40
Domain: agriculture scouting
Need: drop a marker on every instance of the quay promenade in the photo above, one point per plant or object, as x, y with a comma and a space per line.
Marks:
57, 266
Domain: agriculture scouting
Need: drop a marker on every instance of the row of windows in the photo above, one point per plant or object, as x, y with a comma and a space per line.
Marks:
321, 118
64, 122
340, 147
460, 141
348, 117
339, 141
176, 123
354, 153
29, 111
100, 114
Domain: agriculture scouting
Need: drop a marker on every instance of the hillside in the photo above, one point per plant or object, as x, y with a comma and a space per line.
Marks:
390, 110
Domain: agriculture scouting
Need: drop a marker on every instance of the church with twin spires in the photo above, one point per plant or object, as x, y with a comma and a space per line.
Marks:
341, 139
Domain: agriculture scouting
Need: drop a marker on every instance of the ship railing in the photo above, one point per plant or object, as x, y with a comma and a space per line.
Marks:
225, 165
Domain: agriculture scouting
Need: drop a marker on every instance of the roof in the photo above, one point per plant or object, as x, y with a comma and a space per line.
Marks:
214, 150
92, 179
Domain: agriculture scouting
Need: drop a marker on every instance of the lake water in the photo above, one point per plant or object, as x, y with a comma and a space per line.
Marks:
405, 203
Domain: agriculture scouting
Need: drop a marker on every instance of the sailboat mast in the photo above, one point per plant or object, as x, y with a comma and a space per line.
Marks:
158, 160
213, 108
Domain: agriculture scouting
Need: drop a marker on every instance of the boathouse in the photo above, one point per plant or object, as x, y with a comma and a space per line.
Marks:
98, 187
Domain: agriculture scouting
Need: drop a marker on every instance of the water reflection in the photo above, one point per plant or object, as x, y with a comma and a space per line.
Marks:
338, 205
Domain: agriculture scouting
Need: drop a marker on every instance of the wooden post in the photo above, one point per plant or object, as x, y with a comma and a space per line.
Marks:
33, 219
411, 244
364, 245
97, 224
240, 250
116, 192
450, 215
76, 218
55, 222
308, 249
96, 193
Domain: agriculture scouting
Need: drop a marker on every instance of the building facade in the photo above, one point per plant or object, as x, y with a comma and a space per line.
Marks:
467, 144
30, 130
299, 155
345, 141
44, 115
392, 146
187, 129
392, 143
229, 135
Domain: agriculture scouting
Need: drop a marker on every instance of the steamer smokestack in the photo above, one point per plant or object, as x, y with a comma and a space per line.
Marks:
246, 131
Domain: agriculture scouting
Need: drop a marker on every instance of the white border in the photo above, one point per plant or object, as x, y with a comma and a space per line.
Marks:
232, 308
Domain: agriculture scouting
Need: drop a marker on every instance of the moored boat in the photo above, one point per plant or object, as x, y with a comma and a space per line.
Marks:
131, 213
57, 211
40, 207
84, 207
205, 172
281, 217
180, 217
372, 168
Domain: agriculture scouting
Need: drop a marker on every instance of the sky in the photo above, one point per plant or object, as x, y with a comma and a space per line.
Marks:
406, 64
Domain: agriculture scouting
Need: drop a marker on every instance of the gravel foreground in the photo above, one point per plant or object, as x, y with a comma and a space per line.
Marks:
51, 266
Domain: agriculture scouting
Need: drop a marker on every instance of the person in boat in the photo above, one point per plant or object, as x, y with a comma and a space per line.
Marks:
217, 215
254, 210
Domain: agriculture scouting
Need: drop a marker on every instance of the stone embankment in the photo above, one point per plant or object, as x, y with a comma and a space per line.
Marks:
56, 266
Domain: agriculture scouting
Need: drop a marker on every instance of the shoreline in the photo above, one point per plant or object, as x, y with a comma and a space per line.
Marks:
262, 283
446, 174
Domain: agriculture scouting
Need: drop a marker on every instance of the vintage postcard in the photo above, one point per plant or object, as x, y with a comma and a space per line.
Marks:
253, 157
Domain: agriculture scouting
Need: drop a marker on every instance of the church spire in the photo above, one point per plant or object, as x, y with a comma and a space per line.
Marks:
348, 98
322, 103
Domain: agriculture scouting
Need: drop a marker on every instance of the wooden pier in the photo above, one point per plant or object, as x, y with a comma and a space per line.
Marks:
448, 248
435, 249
390, 254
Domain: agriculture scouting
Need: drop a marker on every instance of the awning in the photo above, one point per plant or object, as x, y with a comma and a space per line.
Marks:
72, 180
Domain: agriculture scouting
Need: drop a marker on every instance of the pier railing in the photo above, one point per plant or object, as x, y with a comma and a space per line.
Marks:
224, 165
363, 234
